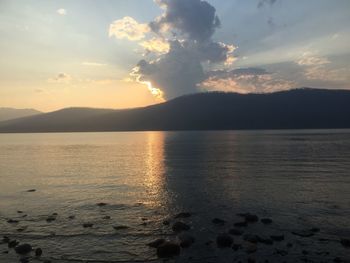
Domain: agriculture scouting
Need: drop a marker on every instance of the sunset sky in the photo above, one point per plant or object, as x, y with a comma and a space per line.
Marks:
129, 53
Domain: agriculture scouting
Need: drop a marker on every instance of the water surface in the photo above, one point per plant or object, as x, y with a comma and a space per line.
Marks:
300, 179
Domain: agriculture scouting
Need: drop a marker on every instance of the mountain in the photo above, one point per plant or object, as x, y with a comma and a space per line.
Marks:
10, 113
293, 109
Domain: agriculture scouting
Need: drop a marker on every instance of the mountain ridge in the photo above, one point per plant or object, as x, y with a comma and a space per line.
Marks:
303, 108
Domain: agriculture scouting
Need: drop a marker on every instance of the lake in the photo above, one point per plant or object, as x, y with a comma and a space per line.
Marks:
300, 179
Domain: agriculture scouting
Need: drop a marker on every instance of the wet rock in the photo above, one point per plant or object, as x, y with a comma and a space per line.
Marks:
185, 240
12, 221
168, 249
183, 215
281, 252
266, 221
156, 243
23, 249
250, 247
277, 237
88, 225
303, 233
250, 218
120, 227
224, 240
12, 243
101, 204
31, 190
106, 217
51, 218
235, 232
345, 242
241, 224
180, 226
38, 252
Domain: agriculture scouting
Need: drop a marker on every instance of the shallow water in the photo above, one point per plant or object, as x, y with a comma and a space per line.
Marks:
300, 179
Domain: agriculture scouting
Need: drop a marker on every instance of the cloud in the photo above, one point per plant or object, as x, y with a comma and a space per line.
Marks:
128, 28
311, 59
61, 12
245, 80
196, 19
156, 44
184, 46
262, 3
93, 64
61, 78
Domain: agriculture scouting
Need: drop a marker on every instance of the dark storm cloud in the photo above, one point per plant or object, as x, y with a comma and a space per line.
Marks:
195, 18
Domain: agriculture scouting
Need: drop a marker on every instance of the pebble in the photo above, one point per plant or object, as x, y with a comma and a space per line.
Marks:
12, 221
101, 204
235, 232
106, 217
277, 237
303, 233
31, 190
38, 252
185, 240
86, 225
250, 218
241, 224
12, 243
250, 247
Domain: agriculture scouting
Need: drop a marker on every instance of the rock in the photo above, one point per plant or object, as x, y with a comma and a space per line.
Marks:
303, 233
71, 217
23, 249
106, 217
305, 252
218, 221
101, 204
241, 224
19, 212
185, 240
180, 226
289, 245
250, 247
12, 243
86, 225
250, 218
50, 218
345, 242
277, 237
38, 252
24, 260
168, 249
5, 239
21, 229
5, 252
54, 214
224, 240
166, 222
337, 260
120, 227
47, 261
156, 243
183, 215
251, 260
31, 190
12, 221
235, 232
266, 221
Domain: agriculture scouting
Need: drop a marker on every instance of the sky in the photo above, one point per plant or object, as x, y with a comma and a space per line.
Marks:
132, 53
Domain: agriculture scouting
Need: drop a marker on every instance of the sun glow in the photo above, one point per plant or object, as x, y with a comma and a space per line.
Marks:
158, 93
